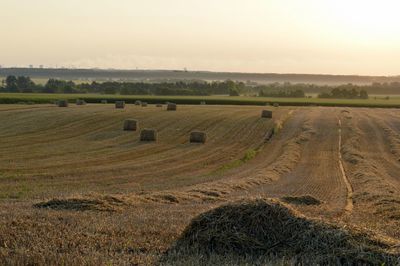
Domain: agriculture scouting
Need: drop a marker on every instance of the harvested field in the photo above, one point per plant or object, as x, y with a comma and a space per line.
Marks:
76, 189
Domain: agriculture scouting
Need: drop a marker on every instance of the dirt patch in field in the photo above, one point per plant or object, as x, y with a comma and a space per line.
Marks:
301, 200
270, 229
104, 203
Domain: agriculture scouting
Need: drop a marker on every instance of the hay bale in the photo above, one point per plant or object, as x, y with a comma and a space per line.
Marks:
144, 104
131, 125
159, 105
104, 101
138, 102
148, 135
203, 103
276, 104
171, 107
80, 102
270, 229
62, 103
198, 137
120, 104
266, 114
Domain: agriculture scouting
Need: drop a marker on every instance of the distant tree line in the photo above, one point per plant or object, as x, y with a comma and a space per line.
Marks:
282, 93
283, 90
26, 85
345, 92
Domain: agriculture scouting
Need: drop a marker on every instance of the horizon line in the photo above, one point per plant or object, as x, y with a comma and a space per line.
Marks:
198, 71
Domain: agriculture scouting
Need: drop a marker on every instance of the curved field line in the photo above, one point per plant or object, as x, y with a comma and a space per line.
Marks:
349, 201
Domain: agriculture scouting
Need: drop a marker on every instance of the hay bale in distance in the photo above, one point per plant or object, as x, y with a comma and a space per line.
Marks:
198, 137
120, 104
171, 107
144, 104
203, 103
276, 104
138, 102
131, 125
159, 105
266, 114
104, 101
62, 103
148, 135
80, 102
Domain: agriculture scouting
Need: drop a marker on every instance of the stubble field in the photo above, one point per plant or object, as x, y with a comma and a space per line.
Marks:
77, 189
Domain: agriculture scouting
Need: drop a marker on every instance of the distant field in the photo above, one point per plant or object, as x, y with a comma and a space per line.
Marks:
374, 101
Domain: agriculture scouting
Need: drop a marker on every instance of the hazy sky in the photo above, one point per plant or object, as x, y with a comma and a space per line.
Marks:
285, 36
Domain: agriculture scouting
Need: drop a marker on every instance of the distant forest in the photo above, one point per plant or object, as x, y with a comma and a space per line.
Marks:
23, 84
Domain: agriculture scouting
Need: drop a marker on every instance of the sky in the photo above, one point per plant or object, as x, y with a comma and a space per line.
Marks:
266, 36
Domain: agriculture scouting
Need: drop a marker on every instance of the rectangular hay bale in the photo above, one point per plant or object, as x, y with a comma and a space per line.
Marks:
148, 135
80, 102
62, 103
120, 104
171, 107
198, 137
266, 114
131, 125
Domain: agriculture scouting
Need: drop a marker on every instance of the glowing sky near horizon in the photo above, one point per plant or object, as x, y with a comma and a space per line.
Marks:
281, 36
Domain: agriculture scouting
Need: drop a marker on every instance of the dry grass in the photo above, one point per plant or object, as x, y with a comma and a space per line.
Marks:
94, 203
270, 229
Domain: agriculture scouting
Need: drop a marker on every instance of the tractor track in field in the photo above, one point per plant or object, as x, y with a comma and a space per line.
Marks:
318, 172
349, 201
372, 170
